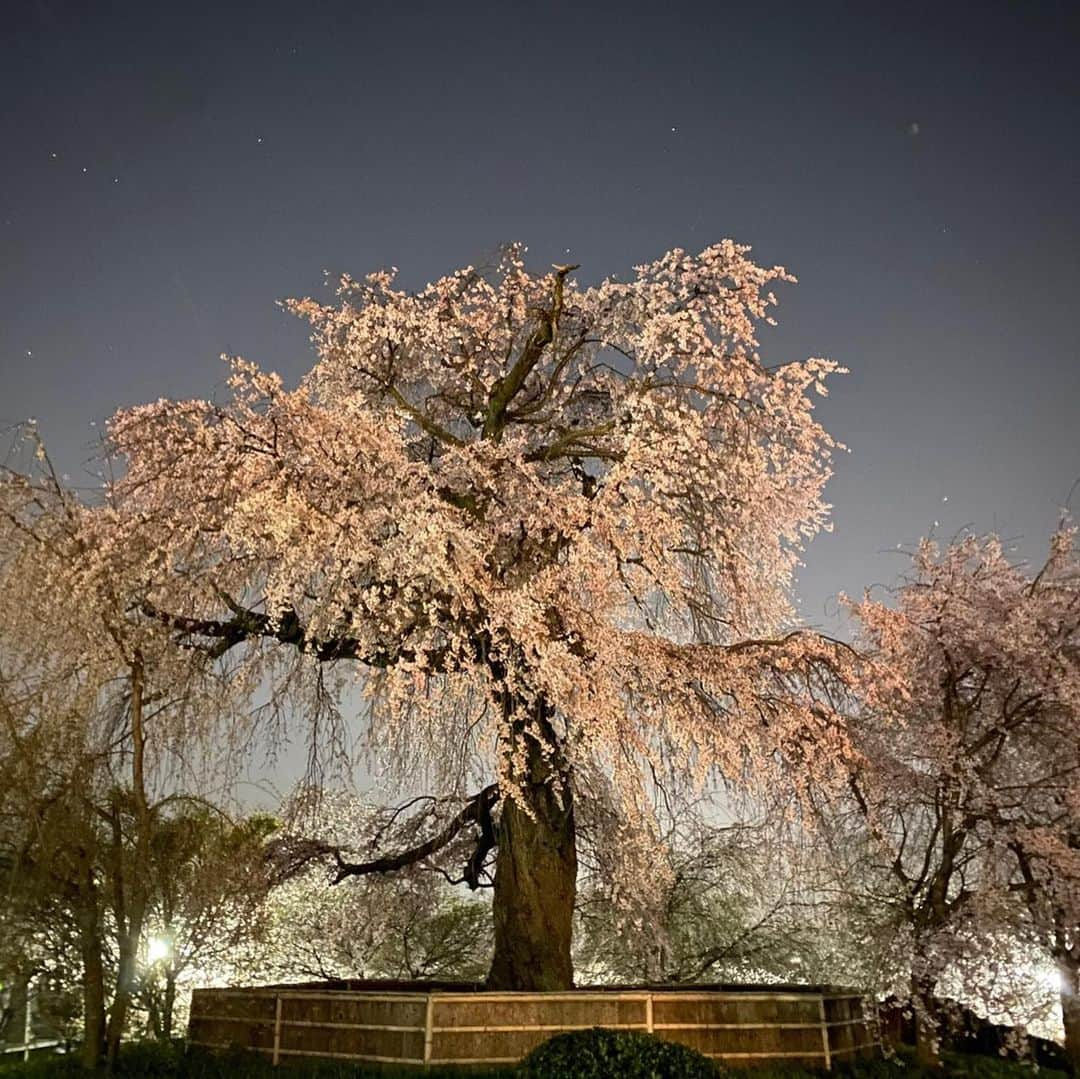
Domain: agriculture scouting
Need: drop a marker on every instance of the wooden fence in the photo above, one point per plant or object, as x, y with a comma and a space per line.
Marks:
445, 1027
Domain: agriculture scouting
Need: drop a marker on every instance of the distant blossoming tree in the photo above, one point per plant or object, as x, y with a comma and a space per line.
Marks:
970, 763
209, 887
741, 904
551, 527
410, 924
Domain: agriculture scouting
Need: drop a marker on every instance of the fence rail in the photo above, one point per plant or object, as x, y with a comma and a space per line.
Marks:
444, 1027
27, 1048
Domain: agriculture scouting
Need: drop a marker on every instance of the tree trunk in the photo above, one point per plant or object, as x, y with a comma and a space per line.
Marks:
170, 1004
129, 908
535, 877
152, 1005
927, 1034
1069, 971
129, 888
93, 990
118, 1013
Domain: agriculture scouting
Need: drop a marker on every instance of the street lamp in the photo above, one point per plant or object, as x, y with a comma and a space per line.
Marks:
158, 950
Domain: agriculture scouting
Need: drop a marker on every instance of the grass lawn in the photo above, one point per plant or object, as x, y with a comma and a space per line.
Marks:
152, 1061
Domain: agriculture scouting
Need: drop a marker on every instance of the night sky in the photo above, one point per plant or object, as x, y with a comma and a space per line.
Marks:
170, 170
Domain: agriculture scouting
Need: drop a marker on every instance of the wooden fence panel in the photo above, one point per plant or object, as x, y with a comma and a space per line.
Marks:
751, 1043
568, 1011
487, 1047
345, 1043
225, 1018
814, 1026
742, 1010
354, 1010
851, 1031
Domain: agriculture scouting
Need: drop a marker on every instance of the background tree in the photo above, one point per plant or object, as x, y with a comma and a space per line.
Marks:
407, 924
43, 905
971, 752
1047, 875
95, 705
738, 906
209, 881
552, 528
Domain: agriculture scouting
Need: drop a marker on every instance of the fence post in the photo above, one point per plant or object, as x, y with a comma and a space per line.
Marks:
28, 1023
648, 1013
277, 1028
429, 1013
825, 1033
879, 1038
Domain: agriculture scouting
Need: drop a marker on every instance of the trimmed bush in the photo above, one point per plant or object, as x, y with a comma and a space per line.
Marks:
600, 1053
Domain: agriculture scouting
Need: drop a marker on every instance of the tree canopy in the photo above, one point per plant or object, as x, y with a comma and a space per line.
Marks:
553, 526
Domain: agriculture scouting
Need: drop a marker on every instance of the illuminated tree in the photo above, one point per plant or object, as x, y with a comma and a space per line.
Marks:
740, 904
971, 754
209, 884
551, 529
94, 703
404, 925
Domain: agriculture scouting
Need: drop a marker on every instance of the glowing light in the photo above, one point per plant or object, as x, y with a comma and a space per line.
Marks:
158, 949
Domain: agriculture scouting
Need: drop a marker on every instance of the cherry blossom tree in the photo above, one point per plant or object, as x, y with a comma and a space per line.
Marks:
970, 757
1040, 818
547, 530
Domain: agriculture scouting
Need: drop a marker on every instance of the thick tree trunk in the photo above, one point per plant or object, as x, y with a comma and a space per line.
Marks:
927, 1033
535, 879
1069, 972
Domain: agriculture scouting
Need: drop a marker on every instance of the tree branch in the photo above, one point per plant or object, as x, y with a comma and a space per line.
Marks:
506, 388
292, 856
246, 625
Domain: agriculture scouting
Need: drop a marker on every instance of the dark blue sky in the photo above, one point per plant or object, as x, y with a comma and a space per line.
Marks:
169, 171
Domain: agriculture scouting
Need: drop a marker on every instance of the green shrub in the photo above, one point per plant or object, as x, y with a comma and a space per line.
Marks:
601, 1054
973, 1066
